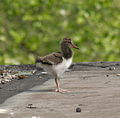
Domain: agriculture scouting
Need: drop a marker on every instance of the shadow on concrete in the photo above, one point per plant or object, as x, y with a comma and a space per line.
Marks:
45, 90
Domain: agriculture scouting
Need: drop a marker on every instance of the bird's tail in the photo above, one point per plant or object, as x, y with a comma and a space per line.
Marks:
38, 60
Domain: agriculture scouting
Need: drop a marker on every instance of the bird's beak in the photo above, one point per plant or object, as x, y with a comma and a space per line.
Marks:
74, 46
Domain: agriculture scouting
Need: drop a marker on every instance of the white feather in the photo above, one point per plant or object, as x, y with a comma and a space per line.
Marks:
58, 69
61, 68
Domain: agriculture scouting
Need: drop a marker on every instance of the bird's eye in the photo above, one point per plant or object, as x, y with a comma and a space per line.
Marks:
65, 39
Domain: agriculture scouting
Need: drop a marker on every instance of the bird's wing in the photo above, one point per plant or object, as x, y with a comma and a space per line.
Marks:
51, 59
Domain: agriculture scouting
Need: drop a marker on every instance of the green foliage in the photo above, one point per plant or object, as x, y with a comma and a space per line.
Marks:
34, 27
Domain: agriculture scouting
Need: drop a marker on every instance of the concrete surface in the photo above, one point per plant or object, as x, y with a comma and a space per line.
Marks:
95, 90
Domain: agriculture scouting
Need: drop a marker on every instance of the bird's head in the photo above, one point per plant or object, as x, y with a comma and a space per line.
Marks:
69, 42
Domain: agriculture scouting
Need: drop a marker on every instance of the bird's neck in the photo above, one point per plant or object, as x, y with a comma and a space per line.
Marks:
66, 51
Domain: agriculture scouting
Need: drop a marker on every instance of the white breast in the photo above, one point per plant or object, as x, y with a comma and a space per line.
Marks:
61, 68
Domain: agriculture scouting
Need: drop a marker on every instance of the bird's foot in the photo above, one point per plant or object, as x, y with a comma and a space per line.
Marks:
62, 90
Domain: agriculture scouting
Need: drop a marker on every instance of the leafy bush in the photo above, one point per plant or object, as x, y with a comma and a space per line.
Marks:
34, 27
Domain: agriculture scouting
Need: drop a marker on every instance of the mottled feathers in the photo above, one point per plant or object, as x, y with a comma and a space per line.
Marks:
50, 59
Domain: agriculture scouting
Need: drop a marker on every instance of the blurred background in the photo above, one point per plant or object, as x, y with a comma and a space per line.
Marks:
35, 27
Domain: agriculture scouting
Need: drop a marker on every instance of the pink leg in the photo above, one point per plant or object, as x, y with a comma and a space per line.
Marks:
58, 89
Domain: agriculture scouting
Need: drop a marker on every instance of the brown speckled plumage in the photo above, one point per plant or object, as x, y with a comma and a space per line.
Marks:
56, 63
51, 59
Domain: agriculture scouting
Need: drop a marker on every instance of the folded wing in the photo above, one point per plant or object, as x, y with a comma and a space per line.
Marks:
51, 59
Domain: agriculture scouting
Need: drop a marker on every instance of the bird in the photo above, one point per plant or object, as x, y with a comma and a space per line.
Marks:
57, 63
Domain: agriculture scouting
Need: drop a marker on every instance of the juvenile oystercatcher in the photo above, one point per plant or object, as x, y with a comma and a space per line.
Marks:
56, 63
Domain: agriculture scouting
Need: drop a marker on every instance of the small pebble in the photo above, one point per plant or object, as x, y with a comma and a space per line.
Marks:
13, 76
22, 76
2, 82
44, 73
2, 72
107, 75
8, 77
111, 68
118, 74
78, 109
30, 106
7, 80
33, 71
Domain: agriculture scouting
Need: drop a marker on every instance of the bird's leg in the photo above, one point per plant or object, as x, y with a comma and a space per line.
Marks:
58, 89
57, 81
